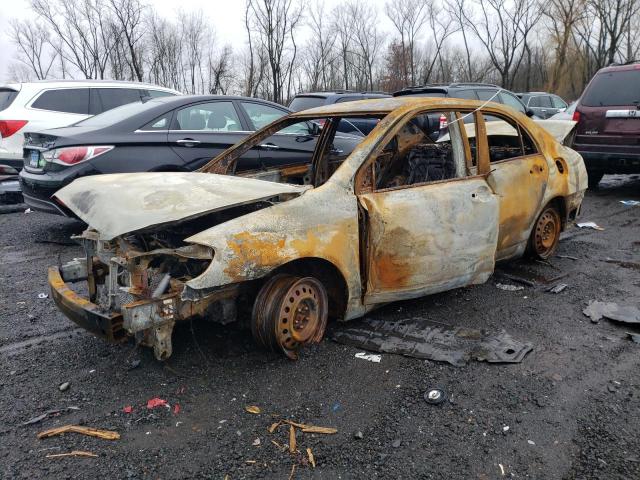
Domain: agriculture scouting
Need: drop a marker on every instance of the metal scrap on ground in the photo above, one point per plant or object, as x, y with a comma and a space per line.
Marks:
92, 432
425, 339
74, 453
611, 310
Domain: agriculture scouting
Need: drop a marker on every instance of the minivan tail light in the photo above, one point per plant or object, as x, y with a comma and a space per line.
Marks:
74, 155
9, 127
576, 116
443, 122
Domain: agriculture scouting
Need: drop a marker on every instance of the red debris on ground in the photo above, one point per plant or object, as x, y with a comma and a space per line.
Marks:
127, 409
176, 409
156, 402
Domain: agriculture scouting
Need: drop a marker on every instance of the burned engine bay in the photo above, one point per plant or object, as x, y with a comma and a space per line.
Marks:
138, 279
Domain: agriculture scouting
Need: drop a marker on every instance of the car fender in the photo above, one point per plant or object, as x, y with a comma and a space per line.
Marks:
322, 223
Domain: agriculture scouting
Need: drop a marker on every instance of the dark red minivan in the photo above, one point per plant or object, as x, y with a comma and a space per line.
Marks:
608, 116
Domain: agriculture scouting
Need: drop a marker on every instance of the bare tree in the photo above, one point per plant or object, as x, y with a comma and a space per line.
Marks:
408, 18
36, 52
128, 18
84, 30
502, 27
274, 22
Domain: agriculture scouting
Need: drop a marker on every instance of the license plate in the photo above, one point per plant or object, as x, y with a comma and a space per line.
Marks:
623, 113
34, 158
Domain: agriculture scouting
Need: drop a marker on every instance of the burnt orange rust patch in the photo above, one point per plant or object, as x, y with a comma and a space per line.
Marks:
252, 250
391, 272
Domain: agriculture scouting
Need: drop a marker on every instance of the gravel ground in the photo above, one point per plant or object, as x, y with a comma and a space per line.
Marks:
570, 410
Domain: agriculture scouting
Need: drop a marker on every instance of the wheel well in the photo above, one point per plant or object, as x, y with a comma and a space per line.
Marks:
561, 205
328, 274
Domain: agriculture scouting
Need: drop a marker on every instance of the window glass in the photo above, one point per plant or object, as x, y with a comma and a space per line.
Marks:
213, 117
349, 99
158, 93
466, 94
512, 101
6, 97
158, 124
114, 97
427, 148
118, 114
305, 102
558, 102
68, 100
620, 87
486, 94
262, 115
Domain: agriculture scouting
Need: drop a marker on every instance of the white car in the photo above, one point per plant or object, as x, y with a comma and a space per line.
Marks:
48, 104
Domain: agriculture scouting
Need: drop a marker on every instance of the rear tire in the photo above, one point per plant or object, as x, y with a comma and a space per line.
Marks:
594, 178
289, 313
545, 235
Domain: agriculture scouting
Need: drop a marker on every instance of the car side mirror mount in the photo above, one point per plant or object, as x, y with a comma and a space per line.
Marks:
530, 113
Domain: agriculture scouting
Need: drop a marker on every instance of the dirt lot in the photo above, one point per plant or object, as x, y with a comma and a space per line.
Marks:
572, 407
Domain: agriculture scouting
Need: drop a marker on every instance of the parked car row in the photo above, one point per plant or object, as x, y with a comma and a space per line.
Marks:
57, 131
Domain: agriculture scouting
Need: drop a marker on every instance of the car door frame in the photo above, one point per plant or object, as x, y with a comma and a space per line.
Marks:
515, 226
411, 283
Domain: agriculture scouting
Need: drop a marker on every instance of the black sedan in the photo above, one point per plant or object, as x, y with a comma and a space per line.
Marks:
163, 134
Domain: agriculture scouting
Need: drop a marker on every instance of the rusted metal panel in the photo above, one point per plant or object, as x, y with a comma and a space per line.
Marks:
429, 238
125, 202
323, 223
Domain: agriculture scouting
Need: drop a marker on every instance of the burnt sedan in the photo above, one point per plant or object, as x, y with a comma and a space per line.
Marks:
169, 134
403, 215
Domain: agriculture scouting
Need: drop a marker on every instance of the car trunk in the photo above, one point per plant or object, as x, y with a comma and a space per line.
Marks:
608, 109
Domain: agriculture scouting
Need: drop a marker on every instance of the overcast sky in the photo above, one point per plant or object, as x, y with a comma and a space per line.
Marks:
225, 15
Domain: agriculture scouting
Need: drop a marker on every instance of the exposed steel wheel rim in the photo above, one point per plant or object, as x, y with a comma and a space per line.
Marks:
290, 312
547, 232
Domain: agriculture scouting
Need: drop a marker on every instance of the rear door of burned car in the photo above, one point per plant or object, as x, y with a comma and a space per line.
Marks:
429, 220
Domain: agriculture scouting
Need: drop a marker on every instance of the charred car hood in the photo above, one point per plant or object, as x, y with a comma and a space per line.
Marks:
125, 202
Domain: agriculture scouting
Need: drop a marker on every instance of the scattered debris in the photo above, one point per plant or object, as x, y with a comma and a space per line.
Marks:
425, 339
92, 432
256, 442
624, 263
531, 442
630, 203
369, 357
509, 288
634, 337
156, 402
293, 470
435, 396
74, 453
358, 435
312, 428
127, 409
28, 210
253, 409
567, 256
611, 310
557, 288
46, 414
134, 364
311, 458
292, 439
396, 443
516, 279
176, 409
64, 386
501, 469
592, 225
43, 295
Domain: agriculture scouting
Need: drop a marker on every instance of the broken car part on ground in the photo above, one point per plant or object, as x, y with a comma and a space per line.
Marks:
418, 207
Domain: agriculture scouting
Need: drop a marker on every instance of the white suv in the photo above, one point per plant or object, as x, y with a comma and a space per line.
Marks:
57, 103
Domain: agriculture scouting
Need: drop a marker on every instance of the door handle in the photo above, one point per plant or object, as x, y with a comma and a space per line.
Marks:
269, 146
188, 142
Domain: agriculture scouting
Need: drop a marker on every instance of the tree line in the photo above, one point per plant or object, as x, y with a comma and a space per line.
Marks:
292, 46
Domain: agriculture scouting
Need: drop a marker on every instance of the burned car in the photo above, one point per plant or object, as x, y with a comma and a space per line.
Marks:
416, 208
